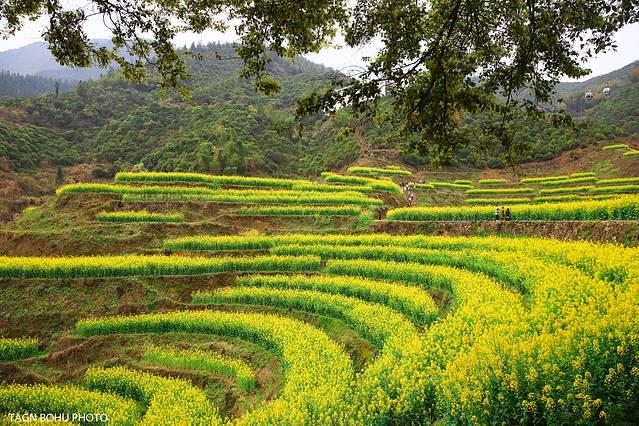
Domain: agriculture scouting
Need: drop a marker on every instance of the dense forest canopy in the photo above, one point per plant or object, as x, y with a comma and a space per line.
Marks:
430, 52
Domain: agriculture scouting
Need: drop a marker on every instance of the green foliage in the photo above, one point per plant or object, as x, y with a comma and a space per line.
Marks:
17, 85
25, 147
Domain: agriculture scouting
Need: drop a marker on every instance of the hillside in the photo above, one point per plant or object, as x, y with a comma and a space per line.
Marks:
107, 125
227, 129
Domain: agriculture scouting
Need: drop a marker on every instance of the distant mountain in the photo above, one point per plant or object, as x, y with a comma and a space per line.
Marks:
36, 59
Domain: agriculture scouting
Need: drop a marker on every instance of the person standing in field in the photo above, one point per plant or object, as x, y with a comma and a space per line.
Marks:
503, 213
508, 213
497, 213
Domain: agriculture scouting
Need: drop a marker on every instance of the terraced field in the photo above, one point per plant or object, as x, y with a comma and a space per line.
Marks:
464, 330
324, 328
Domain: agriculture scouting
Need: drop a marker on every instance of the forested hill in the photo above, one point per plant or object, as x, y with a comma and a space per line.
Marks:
228, 128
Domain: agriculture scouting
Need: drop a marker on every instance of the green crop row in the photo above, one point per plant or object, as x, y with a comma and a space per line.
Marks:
195, 359
620, 189
571, 181
107, 188
559, 198
463, 181
66, 402
301, 211
138, 216
353, 198
12, 349
494, 182
582, 174
545, 179
567, 190
616, 146
496, 201
392, 384
316, 370
411, 301
421, 185
444, 185
618, 181
134, 265
632, 153
496, 191
183, 194
320, 187
384, 185
615, 209
167, 400
377, 171
375, 322
203, 178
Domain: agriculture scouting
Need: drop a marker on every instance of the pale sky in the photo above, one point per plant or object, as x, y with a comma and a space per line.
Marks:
339, 57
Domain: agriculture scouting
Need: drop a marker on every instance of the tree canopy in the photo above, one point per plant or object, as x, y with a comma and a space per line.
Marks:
439, 60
